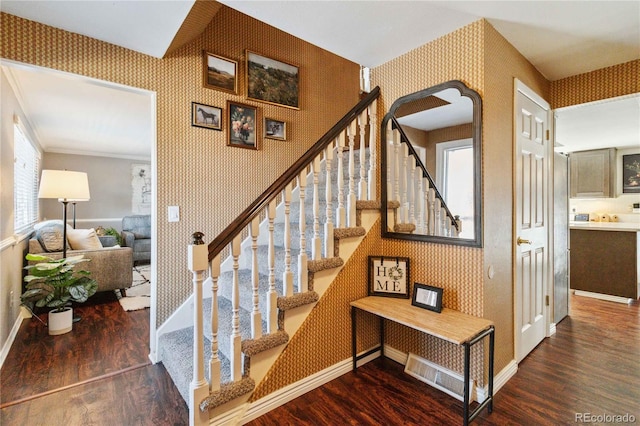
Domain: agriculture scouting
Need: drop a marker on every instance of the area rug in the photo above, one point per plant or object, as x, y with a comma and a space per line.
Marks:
139, 295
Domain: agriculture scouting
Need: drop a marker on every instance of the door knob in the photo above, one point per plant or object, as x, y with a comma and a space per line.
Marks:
521, 241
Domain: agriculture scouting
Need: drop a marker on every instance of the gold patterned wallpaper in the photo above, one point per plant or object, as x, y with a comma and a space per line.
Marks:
195, 168
610, 82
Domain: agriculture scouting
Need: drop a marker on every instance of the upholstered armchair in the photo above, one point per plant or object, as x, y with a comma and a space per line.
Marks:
136, 233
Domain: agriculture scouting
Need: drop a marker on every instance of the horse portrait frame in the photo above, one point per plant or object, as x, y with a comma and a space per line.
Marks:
201, 114
220, 73
243, 125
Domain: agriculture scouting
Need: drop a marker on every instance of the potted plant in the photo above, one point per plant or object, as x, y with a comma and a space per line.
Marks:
54, 284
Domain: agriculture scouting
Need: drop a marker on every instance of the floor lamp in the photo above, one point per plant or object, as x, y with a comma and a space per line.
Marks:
66, 186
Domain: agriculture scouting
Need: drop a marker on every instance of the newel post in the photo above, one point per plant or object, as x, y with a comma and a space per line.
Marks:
199, 388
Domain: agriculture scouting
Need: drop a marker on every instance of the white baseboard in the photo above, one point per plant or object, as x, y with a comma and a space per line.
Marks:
288, 393
24, 314
609, 297
552, 329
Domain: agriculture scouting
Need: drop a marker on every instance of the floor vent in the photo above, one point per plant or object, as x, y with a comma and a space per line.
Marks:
437, 376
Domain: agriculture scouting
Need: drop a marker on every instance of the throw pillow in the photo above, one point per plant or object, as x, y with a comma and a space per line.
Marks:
83, 239
50, 237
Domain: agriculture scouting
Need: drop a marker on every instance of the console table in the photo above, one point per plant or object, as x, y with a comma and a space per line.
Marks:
450, 325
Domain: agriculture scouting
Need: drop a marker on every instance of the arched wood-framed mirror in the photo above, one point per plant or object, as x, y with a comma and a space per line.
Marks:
432, 166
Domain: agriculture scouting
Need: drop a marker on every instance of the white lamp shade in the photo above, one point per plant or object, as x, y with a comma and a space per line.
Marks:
64, 185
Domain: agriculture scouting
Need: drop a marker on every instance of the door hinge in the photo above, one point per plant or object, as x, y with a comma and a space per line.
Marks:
547, 134
546, 300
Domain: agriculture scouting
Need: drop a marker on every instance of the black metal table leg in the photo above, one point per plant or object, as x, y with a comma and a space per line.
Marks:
353, 338
465, 402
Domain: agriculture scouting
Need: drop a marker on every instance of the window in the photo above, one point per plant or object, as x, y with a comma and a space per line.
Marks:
454, 169
26, 168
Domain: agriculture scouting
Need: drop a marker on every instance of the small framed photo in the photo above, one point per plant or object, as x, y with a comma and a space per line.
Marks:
427, 297
389, 276
275, 129
206, 116
242, 126
631, 174
272, 81
220, 73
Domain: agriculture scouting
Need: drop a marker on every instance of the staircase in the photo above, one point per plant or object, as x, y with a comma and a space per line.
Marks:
272, 253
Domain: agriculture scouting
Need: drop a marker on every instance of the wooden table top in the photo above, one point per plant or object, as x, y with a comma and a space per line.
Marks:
450, 325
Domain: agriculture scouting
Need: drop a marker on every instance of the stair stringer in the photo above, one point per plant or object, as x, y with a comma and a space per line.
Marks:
230, 413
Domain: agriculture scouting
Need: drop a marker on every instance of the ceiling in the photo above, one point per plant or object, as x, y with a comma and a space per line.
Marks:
560, 38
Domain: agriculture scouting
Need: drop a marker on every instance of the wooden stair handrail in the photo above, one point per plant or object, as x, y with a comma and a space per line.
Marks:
425, 173
260, 203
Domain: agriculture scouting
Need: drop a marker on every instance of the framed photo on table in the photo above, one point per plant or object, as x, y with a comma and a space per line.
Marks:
389, 276
427, 297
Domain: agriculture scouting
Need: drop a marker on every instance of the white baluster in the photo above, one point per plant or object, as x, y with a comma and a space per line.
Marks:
351, 199
287, 276
272, 295
411, 189
396, 167
391, 162
341, 214
214, 362
316, 243
425, 212
372, 150
419, 201
404, 210
256, 317
458, 229
328, 225
438, 217
363, 186
303, 271
432, 212
198, 388
445, 222
235, 343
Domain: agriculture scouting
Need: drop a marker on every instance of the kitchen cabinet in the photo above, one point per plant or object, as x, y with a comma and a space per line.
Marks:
604, 259
592, 173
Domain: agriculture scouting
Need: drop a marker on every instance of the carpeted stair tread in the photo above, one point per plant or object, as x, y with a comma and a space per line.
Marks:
228, 392
176, 353
225, 288
251, 347
298, 299
356, 231
325, 263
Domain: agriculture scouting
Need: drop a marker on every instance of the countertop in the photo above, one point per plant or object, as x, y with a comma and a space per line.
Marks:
606, 226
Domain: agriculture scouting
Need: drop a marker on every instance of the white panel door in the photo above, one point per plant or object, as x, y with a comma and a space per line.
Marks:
531, 233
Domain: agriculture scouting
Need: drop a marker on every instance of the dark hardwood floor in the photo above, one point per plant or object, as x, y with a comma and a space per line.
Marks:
100, 375
591, 366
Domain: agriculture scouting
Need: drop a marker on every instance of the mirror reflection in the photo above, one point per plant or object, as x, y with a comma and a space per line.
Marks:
431, 166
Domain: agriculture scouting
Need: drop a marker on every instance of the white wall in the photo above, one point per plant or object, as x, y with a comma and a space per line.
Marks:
109, 185
13, 248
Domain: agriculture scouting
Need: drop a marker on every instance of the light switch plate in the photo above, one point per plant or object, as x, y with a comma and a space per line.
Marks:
173, 213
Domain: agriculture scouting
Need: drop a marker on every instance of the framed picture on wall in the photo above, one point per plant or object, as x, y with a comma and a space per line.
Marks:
242, 126
220, 73
206, 116
631, 174
272, 81
275, 129
389, 276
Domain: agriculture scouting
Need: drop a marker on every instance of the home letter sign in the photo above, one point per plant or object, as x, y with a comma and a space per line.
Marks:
389, 276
